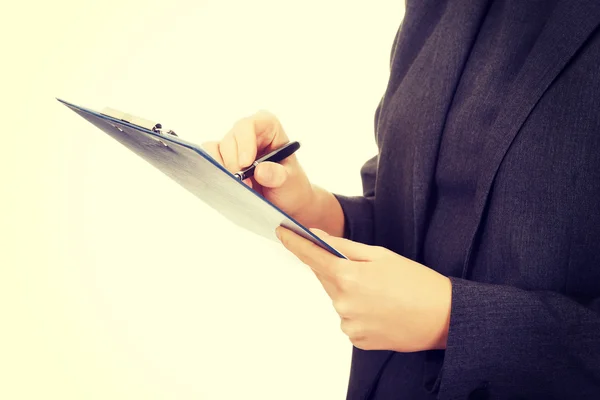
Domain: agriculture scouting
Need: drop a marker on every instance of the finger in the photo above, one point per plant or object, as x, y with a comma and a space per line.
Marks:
212, 148
268, 131
259, 133
229, 153
355, 251
270, 175
318, 259
248, 182
245, 138
329, 287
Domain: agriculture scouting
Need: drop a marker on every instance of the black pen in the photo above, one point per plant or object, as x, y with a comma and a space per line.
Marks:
276, 155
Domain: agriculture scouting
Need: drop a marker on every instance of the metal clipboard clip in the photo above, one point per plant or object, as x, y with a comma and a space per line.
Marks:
140, 122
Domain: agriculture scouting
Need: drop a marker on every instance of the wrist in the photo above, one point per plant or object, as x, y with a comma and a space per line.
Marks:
443, 313
326, 212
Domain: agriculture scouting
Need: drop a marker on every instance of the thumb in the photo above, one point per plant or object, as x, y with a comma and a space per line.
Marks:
355, 251
270, 175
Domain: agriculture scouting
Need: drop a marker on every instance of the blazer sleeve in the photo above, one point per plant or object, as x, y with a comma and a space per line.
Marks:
359, 221
520, 344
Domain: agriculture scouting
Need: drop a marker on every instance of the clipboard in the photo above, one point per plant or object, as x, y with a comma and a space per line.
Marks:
197, 172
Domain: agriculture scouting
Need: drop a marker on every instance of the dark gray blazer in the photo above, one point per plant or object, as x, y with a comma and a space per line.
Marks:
498, 189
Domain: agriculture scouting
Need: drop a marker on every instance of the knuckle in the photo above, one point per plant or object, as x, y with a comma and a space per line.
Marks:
264, 114
345, 327
242, 128
347, 278
342, 307
240, 124
381, 251
243, 133
267, 116
266, 123
352, 330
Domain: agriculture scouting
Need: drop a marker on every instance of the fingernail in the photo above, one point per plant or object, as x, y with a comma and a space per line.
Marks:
278, 233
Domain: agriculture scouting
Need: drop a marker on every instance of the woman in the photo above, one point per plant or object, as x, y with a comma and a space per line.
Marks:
474, 253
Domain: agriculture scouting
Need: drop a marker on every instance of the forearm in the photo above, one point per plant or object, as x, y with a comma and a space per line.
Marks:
327, 213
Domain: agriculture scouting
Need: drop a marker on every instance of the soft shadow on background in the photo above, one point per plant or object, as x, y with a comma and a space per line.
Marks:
115, 283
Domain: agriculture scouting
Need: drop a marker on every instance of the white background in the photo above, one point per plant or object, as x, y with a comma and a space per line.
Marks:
115, 283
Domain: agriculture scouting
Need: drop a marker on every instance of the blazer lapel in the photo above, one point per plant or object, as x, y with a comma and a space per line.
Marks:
427, 25
566, 31
435, 85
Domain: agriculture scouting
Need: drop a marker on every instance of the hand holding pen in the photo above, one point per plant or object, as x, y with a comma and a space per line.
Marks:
277, 175
258, 149
275, 156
